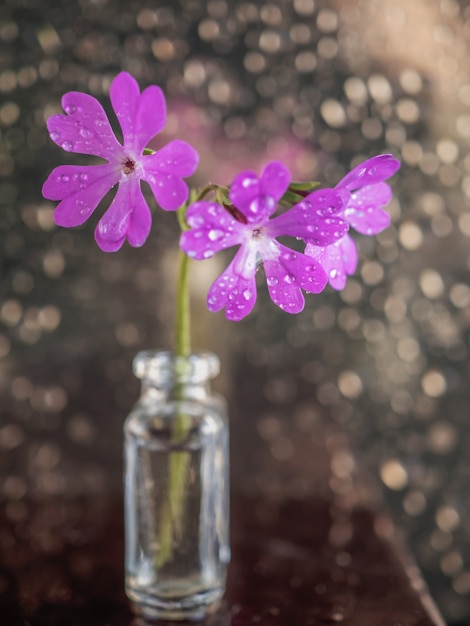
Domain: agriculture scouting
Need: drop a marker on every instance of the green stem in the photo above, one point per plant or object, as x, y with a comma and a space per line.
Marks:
183, 325
171, 517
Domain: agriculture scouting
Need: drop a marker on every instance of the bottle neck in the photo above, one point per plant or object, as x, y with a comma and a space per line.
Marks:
168, 378
152, 391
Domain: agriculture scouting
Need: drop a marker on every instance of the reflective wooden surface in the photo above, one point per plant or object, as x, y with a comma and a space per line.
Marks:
304, 562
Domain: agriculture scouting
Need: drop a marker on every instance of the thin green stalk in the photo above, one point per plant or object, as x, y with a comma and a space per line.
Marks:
183, 324
171, 519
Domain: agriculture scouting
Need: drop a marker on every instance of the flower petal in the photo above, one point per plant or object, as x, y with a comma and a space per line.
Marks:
66, 180
81, 188
314, 218
339, 260
141, 115
212, 229
124, 93
127, 217
275, 180
235, 292
170, 191
374, 170
257, 198
177, 157
150, 117
85, 128
288, 275
363, 211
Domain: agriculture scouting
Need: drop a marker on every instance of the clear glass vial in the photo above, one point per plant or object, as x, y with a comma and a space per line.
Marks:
176, 489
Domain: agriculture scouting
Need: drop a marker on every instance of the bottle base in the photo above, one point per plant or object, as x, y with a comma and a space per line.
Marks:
151, 607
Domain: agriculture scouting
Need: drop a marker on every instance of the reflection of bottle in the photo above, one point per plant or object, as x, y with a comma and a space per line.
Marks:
176, 488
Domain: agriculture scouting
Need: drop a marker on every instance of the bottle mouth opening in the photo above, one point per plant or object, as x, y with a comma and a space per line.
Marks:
163, 367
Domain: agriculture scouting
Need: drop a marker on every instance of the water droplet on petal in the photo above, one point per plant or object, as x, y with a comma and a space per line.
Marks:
85, 133
67, 146
247, 294
207, 254
54, 136
70, 109
215, 234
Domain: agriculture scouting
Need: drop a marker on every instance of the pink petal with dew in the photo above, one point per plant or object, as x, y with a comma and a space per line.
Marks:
374, 170
275, 180
257, 198
85, 128
150, 116
81, 188
124, 93
212, 229
170, 190
313, 219
288, 275
66, 180
235, 292
364, 213
141, 115
127, 217
177, 157
339, 260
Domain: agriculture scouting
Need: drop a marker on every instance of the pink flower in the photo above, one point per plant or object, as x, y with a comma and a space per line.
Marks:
363, 212
85, 129
248, 224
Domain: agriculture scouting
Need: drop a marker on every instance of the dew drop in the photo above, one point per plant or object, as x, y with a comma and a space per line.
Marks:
247, 294
207, 254
67, 146
85, 133
55, 136
70, 109
215, 234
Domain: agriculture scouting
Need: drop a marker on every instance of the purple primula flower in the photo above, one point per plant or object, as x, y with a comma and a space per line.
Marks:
85, 129
363, 212
248, 224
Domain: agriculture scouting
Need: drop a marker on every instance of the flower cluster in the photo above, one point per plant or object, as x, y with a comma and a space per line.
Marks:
321, 220
244, 217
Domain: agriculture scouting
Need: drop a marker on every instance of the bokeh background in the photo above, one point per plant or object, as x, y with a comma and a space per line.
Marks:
321, 85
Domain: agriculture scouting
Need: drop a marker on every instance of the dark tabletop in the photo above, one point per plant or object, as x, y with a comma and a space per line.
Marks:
295, 562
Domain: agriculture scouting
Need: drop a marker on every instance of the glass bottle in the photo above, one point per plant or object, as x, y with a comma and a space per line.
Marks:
176, 489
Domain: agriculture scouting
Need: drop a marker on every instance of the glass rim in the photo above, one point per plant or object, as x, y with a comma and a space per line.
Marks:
163, 366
